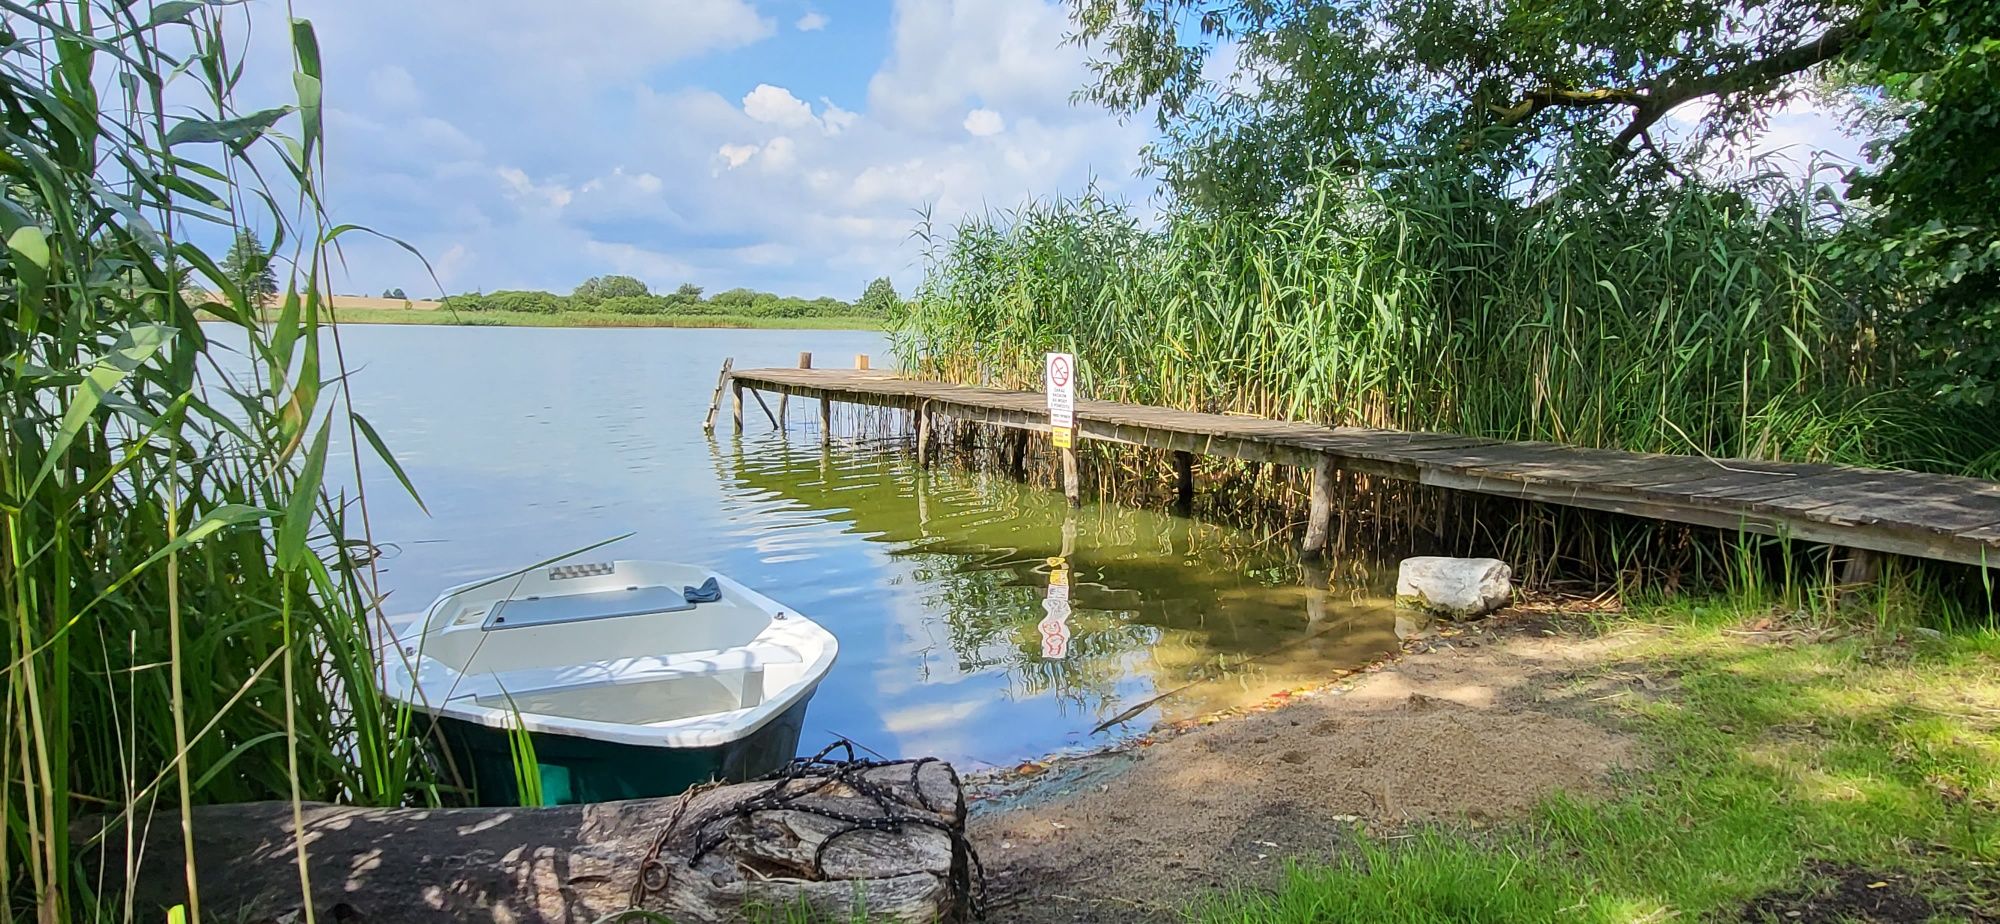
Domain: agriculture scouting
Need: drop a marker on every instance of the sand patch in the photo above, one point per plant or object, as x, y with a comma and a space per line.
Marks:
1455, 733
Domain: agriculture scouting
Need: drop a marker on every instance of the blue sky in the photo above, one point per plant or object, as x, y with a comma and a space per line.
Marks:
781, 145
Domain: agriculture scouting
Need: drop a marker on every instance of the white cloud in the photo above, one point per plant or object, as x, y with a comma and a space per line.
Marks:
736, 154
1010, 56
392, 85
780, 153
984, 122
643, 183
766, 254
812, 21
837, 119
777, 106
554, 195
541, 176
655, 268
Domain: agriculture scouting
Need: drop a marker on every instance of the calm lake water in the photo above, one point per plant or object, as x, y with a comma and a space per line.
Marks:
528, 443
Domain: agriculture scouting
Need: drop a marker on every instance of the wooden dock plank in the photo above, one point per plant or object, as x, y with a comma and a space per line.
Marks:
1909, 513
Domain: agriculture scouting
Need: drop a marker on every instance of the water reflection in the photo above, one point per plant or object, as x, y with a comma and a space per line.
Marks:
528, 443
1159, 604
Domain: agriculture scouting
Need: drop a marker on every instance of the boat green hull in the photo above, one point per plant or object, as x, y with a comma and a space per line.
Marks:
573, 769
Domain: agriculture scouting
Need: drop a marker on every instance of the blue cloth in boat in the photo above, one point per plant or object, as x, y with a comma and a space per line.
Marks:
708, 592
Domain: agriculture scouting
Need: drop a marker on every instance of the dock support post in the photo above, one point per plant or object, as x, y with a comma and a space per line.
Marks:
785, 397
1183, 480
1072, 488
826, 421
736, 405
1862, 567
1320, 517
1017, 454
923, 420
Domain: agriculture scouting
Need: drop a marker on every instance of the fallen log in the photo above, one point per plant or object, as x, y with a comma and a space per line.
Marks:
885, 838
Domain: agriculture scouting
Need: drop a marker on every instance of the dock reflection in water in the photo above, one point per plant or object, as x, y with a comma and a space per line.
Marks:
943, 615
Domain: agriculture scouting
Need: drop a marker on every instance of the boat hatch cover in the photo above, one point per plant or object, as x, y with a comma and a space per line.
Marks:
603, 604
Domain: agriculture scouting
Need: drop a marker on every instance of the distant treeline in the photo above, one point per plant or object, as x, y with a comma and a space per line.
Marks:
626, 295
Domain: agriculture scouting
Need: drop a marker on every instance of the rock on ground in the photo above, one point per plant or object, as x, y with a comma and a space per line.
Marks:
1456, 587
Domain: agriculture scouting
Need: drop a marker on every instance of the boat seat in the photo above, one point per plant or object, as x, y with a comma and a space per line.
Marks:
521, 612
624, 670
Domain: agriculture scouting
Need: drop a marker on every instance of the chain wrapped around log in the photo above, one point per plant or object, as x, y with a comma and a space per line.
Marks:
834, 836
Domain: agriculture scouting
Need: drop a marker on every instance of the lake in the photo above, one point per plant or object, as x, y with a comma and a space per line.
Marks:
529, 443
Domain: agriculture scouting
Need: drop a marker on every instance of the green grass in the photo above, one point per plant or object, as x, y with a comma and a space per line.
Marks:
1769, 752
591, 319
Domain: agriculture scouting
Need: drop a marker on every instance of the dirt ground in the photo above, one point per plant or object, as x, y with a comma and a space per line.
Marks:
1472, 726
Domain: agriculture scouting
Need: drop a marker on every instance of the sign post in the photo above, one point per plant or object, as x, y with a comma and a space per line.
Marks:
1059, 380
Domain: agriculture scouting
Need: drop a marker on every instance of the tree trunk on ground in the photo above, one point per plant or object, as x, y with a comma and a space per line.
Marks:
578, 863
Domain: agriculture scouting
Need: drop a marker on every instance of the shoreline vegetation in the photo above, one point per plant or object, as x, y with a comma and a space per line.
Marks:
447, 317
600, 301
188, 604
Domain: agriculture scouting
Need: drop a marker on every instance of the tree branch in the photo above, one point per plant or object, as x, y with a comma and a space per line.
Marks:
1651, 103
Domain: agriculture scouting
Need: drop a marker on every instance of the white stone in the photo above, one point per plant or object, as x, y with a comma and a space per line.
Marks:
1456, 587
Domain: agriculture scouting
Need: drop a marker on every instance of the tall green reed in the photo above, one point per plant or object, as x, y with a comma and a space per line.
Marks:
187, 595
1706, 318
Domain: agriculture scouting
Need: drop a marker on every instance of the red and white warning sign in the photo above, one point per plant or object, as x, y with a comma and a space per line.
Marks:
1059, 381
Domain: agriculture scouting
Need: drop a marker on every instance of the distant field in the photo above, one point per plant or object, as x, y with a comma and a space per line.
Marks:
346, 314
397, 304
354, 309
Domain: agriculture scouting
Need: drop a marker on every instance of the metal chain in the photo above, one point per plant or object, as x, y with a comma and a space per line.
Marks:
654, 875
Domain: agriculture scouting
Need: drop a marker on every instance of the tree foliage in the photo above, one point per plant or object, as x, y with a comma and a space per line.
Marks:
247, 265
685, 300
1501, 85
1937, 187
1555, 101
879, 300
598, 288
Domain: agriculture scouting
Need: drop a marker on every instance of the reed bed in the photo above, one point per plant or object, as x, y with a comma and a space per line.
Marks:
187, 596
1703, 318
1708, 318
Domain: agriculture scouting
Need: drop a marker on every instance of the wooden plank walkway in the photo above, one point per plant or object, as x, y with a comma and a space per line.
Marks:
1906, 513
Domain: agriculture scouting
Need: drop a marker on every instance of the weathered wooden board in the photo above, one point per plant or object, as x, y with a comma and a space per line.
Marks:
705, 859
1908, 513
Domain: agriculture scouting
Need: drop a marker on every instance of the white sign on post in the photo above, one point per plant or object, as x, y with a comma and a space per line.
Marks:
1059, 381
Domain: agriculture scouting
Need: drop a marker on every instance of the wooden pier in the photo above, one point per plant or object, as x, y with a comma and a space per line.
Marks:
1905, 513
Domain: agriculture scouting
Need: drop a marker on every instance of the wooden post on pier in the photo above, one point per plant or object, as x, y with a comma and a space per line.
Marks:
1183, 480
826, 421
736, 405
861, 361
1320, 518
1072, 486
785, 397
923, 424
1017, 454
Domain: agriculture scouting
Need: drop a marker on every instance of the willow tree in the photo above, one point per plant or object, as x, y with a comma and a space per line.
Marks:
1256, 99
